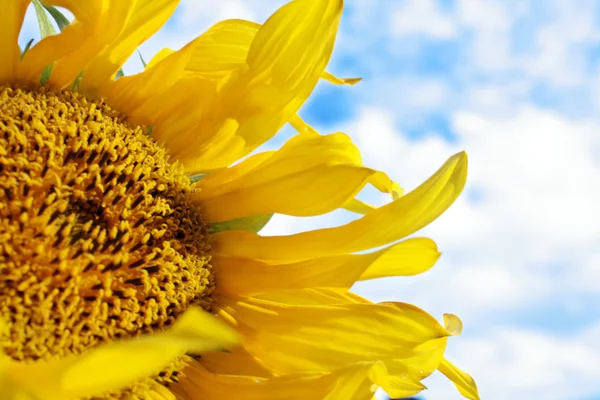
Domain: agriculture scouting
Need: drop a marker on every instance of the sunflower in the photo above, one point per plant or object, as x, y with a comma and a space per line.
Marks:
130, 263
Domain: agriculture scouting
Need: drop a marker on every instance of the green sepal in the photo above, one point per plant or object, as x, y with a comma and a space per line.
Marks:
119, 74
46, 27
77, 82
141, 58
197, 177
253, 224
59, 18
27, 47
46, 74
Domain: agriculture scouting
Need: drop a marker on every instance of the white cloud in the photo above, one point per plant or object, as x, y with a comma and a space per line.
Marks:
489, 31
589, 279
539, 169
194, 12
422, 17
499, 100
512, 363
528, 233
487, 15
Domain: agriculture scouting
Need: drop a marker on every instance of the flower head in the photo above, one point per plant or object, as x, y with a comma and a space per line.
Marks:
130, 263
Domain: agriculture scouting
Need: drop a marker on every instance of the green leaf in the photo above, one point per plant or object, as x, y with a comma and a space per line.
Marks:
59, 18
46, 27
141, 58
27, 47
253, 224
46, 74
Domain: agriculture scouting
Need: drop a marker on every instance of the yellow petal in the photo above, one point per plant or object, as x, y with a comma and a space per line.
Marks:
315, 191
287, 56
213, 182
356, 381
381, 181
8, 389
313, 297
97, 43
311, 25
11, 19
129, 93
159, 392
176, 109
120, 363
246, 276
158, 57
308, 176
75, 46
144, 19
384, 225
178, 88
411, 257
301, 330
453, 324
463, 381
223, 48
212, 55
297, 154
220, 52
359, 207
235, 362
86, 12
301, 126
340, 81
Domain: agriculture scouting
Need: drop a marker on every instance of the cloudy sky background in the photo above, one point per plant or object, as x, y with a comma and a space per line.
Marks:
515, 83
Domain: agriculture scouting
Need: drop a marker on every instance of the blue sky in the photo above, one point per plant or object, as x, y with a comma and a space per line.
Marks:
515, 83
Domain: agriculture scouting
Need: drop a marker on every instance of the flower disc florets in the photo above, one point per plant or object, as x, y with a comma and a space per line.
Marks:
98, 237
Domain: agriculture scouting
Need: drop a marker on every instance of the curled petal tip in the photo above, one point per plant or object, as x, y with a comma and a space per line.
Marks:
453, 324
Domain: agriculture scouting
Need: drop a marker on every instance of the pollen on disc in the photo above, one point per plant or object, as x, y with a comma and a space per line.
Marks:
98, 237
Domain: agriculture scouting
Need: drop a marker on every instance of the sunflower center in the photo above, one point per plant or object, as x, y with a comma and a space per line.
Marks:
98, 237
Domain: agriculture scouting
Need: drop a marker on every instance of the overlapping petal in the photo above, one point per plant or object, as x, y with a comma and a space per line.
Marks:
223, 48
116, 364
357, 381
11, 19
211, 59
235, 362
299, 330
104, 34
247, 276
133, 94
464, 382
380, 181
384, 225
310, 175
284, 63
